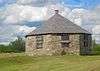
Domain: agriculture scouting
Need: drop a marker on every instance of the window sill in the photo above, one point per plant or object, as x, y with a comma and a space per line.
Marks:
66, 41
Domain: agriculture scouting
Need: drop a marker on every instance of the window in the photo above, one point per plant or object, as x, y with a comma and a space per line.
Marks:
85, 40
85, 37
64, 44
39, 45
64, 40
64, 37
85, 44
39, 41
39, 38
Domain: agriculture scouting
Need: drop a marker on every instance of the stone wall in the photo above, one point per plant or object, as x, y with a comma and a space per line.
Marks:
30, 44
52, 45
74, 43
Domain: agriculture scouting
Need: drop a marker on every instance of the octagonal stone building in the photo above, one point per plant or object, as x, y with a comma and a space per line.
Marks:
57, 35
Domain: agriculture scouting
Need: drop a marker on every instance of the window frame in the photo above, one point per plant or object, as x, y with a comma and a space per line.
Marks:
64, 45
39, 41
64, 37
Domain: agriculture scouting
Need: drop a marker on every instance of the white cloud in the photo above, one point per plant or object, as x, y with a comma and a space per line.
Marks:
96, 30
11, 19
77, 15
32, 13
15, 14
8, 29
18, 13
25, 1
26, 29
64, 11
9, 33
37, 3
78, 21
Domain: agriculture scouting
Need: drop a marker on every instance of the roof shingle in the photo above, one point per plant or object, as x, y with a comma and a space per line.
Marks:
58, 24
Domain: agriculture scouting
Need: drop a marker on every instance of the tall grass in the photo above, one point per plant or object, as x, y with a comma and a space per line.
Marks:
17, 62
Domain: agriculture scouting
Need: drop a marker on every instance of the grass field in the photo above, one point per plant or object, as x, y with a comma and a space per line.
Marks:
20, 62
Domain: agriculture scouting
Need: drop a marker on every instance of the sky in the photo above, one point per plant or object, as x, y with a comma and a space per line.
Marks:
19, 17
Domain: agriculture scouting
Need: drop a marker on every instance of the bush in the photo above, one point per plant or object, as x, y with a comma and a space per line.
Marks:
96, 49
5, 49
16, 46
63, 52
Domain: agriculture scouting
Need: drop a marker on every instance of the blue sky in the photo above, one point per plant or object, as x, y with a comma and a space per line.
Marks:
83, 3
4, 2
19, 17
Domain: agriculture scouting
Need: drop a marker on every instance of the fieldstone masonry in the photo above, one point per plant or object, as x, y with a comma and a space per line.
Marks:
52, 45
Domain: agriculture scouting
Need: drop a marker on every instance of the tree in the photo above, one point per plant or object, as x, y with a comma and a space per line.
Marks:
18, 45
93, 43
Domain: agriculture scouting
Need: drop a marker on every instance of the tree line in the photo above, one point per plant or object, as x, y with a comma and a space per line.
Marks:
16, 46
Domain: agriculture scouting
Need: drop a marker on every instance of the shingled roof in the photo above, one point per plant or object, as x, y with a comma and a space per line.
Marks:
58, 24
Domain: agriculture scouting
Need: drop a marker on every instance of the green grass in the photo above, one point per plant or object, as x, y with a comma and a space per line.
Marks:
21, 62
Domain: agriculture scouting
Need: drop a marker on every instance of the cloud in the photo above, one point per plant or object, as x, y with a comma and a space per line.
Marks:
9, 33
6, 33
77, 15
96, 33
96, 30
11, 19
50, 10
37, 3
25, 2
5, 2
15, 13
24, 30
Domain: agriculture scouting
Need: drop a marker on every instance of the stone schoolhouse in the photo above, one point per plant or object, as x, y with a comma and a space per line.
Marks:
58, 34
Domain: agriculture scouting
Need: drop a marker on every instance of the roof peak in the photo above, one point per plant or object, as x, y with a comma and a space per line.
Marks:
56, 11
